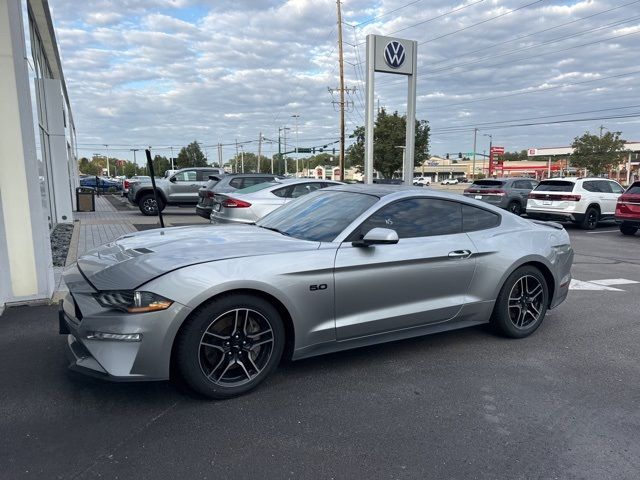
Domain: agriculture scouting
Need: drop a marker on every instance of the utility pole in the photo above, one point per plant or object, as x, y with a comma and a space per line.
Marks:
220, 155
135, 164
340, 54
602, 127
473, 167
172, 167
259, 152
242, 157
107, 147
296, 116
286, 169
237, 155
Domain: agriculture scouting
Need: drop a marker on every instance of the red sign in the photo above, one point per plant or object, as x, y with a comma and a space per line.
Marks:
497, 150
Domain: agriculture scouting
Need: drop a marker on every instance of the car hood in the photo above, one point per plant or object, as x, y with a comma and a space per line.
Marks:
135, 259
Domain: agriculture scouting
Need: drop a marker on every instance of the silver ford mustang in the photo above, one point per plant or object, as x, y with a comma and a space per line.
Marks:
340, 268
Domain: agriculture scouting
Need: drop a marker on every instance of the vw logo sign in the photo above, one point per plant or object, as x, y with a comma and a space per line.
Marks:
394, 54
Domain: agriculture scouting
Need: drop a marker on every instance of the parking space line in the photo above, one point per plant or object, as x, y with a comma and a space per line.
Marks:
613, 281
603, 231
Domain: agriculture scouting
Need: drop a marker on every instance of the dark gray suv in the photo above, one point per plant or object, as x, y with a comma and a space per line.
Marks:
508, 193
226, 184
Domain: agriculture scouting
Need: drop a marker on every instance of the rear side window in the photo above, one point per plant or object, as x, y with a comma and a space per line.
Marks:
555, 186
236, 183
616, 188
524, 184
488, 183
634, 189
474, 218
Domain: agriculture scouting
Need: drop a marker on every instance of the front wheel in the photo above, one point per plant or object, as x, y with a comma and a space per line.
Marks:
628, 229
521, 304
230, 346
148, 205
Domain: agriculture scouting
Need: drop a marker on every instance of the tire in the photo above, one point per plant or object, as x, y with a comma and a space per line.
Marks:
591, 218
522, 303
515, 208
628, 229
147, 205
230, 346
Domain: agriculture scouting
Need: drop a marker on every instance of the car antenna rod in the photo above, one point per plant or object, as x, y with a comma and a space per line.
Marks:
153, 185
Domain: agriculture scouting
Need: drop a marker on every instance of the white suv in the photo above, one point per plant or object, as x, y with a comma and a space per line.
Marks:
584, 201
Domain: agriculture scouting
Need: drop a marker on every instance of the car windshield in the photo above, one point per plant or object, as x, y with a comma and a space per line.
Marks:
634, 189
257, 187
319, 216
488, 183
555, 186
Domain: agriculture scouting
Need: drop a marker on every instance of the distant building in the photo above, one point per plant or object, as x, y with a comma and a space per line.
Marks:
38, 158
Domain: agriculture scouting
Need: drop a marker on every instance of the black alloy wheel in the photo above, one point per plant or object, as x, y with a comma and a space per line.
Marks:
515, 208
522, 303
626, 229
230, 346
591, 218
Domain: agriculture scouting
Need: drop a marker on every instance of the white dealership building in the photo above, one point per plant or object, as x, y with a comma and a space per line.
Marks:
38, 160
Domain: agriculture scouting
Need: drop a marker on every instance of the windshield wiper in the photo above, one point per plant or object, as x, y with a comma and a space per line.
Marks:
275, 230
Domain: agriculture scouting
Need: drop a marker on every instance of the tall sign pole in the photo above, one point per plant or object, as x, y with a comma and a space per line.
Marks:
400, 57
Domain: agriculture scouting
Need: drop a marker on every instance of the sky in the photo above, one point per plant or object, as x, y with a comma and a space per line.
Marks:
163, 73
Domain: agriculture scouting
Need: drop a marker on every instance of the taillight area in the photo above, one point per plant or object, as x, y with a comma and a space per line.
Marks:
210, 194
235, 203
126, 184
557, 198
486, 191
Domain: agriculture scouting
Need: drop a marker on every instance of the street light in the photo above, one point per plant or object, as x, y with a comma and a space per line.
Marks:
283, 157
296, 116
404, 150
107, 147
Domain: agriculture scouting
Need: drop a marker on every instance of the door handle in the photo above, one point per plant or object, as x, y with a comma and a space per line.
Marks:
460, 254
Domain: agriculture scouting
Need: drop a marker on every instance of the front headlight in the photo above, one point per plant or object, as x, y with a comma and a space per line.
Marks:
132, 301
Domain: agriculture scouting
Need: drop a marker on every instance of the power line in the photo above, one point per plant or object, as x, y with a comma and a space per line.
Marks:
360, 25
553, 122
620, 75
485, 125
537, 32
548, 42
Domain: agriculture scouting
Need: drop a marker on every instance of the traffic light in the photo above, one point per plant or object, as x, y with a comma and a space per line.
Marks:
459, 154
447, 156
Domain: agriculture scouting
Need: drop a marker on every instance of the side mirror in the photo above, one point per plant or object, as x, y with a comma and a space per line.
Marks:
172, 179
377, 236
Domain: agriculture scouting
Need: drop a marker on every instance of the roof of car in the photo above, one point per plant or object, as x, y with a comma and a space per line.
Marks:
254, 175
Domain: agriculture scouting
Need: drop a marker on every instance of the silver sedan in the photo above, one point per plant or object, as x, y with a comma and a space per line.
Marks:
340, 268
250, 204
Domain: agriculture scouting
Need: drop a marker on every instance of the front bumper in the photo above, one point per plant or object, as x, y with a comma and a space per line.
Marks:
119, 360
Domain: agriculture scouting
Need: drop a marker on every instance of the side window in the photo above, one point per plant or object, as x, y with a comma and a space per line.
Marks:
203, 175
604, 186
186, 176
474, 218
416, 217
520, 184
303, 189
283, 192
590, 186
616, 188
251, 181
235, 183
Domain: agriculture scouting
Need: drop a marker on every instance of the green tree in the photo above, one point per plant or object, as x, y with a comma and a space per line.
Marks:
89, 167
513, 156
389, 134
161, 164
129, 170
597, 154
191, 156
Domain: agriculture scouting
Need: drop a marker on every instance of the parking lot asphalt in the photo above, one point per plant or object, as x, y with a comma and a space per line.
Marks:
563, 403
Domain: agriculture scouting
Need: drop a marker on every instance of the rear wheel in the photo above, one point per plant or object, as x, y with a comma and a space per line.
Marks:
515, 208
230, 346
628, 229
148, 205
590, 220
521, 304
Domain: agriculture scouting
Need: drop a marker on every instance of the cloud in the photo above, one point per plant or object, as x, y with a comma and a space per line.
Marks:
161, 72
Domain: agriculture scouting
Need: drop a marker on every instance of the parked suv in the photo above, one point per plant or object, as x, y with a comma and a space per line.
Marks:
508, 193
628, 210
584, 201
225, 184
180, 189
